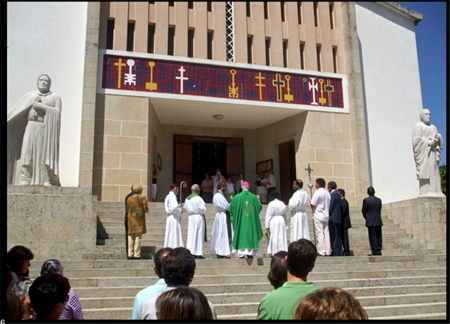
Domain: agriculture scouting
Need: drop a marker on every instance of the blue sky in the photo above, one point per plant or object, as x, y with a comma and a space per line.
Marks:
431, 36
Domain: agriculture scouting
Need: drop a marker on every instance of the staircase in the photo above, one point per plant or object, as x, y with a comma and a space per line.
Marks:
408, 282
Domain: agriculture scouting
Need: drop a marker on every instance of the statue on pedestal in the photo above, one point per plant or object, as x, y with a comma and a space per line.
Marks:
33, 137
427, 145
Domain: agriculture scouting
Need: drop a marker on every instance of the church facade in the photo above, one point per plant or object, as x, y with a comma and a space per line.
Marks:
189, 87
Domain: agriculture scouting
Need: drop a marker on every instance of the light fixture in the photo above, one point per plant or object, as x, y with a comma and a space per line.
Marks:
218, 117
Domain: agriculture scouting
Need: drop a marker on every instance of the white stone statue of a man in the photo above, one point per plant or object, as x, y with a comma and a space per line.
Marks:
33, 137
427, 144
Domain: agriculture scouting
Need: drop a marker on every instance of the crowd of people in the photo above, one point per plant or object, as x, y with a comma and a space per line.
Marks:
236, 229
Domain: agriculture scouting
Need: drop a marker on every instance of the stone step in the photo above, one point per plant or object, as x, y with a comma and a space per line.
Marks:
147, 279
218, 300
226, 268
249, 311
391, 261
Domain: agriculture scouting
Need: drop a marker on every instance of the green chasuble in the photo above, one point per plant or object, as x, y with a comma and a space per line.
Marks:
244, 212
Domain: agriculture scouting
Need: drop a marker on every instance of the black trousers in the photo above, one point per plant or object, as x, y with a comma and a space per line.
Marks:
375, 239
335, 238
345, 241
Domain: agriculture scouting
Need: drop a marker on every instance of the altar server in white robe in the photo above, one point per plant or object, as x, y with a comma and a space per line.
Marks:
219, 235
196, 208
276, 224
298, 204
173, 238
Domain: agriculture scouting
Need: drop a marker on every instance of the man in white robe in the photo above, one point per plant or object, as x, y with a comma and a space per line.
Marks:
276, 224
219, 235
173, 238
427, 144
298, 204
196, 208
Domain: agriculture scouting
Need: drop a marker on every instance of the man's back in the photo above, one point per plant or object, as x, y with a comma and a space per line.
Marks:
282, 302
372, 211
155, 289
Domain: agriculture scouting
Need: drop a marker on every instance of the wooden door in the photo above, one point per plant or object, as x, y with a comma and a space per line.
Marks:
182, 164
235, 157
285, 172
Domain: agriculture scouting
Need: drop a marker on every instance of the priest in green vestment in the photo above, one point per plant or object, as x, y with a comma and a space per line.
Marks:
244, 212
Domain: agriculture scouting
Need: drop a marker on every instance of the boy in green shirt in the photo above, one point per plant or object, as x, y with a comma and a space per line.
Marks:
282, 302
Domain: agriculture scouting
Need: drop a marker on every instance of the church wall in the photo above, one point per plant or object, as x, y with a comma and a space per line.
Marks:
50, 38
393, 100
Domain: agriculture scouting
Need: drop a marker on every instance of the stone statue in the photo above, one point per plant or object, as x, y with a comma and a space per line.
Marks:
427, 144
33, 137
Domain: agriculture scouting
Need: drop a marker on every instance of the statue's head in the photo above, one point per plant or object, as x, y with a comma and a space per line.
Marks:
425, 116
43, 83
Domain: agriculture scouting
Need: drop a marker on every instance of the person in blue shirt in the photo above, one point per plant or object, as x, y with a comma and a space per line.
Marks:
155, 289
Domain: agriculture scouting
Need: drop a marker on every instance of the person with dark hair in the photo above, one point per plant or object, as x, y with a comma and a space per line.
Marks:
183, 304
320, 204
371, 210
330, 304
220, 244
177, 268
282, 302
154, 289
298, 204
72, 309
278, 269
335, 220
276, 225
49, 294
137, 207
173, 237
18, 259
346, 223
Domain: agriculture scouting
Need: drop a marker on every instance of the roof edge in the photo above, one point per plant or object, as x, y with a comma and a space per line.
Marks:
416, 16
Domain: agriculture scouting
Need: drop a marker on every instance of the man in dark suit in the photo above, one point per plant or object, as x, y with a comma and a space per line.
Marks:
346, 224
334, 222
126, 220
371, 210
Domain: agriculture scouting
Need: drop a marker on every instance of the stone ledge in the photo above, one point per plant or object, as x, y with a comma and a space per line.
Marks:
43, 190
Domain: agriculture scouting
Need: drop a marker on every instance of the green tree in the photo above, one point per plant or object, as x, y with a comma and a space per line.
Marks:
443, 173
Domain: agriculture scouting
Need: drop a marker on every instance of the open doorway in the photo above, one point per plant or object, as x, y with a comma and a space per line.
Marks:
287, 170
209, 154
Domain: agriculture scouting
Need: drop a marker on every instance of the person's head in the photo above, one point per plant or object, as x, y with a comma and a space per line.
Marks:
178, 267
183, 304
278, 269
331, 186
301, 258
297, 184
49, 294
175, 188
241, 176
52, 266
330, 303
218, 171
19, 258
195, 188
229, 179
276, 194
425, 116
222, 186
341, 192
14, 309
320, 183
245, 185
262, 175
137, 189
44, 83
159, 255
269, 172
370, 191
207, 177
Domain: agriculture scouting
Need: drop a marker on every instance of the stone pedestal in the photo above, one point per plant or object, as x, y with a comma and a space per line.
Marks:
424, 217
54, 222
